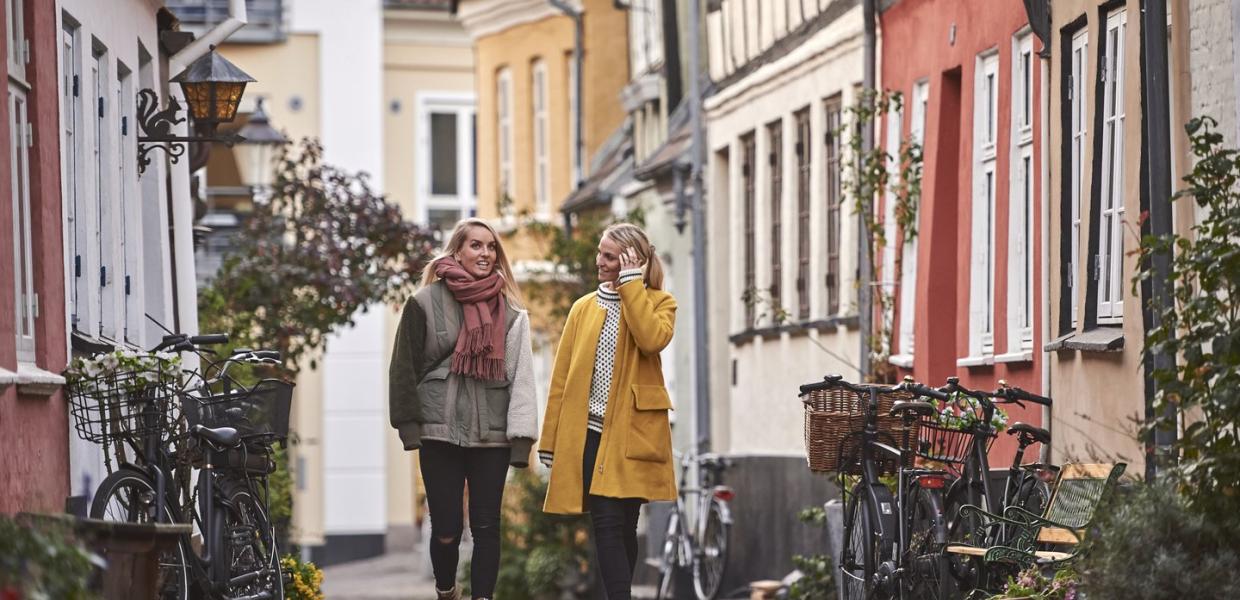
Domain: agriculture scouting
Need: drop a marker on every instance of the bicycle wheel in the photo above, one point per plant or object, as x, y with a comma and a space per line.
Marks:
858, 559
964, 530
249, 550
1033, 495
923, 559
129, 496
670, 557
711, 561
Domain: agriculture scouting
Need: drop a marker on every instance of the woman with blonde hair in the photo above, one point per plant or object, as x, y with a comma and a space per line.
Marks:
606, 436
462, 391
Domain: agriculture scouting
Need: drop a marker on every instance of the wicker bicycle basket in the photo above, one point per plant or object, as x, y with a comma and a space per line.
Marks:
834, 422
125, 404
260, 411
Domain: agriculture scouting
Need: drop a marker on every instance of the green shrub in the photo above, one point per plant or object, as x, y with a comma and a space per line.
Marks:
43, 560
304, 579
1151, 544
818, 572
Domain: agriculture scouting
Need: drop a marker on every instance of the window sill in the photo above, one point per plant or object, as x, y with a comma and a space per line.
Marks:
830, 325
33, 381
902, 360
975, 361
7, 378
1015, 357
1101, 339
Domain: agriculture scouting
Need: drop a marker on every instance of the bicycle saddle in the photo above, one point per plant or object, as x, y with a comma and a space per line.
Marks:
917, 407
1037, 433
224, 437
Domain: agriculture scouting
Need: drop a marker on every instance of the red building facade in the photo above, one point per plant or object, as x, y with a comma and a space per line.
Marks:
969, 302
33, 341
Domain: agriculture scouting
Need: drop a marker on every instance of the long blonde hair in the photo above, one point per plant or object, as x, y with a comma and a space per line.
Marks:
457, 240
628, 235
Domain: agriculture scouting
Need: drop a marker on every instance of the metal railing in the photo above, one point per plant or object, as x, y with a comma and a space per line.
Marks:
266, 23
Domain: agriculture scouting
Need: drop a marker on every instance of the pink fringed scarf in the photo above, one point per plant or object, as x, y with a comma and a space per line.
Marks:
479, 349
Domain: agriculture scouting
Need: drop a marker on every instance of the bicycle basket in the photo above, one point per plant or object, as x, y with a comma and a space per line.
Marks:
947, 436
262, 410
834, 419
130, 402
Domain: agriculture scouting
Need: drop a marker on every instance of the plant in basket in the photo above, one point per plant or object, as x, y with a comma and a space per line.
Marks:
132, 370
962, 412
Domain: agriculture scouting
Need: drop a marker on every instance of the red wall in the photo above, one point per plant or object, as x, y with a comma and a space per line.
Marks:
917, 44
34, 471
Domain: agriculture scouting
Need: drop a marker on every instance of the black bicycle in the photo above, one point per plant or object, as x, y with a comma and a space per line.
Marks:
174, 422
892, 543
967, 456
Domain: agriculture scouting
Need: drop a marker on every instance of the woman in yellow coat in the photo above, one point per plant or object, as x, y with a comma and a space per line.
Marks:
606, 435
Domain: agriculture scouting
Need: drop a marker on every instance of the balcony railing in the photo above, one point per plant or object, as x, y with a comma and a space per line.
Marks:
265, 18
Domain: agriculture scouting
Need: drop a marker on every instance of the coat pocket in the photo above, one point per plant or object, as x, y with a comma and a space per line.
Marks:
649, 436
433, 393
497, 397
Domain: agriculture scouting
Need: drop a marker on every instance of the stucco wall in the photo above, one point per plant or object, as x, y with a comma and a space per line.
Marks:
1213, 54
754, 383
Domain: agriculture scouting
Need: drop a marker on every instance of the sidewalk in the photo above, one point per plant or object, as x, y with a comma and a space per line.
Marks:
397, 576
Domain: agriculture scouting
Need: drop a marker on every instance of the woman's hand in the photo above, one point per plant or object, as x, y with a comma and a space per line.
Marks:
629, 259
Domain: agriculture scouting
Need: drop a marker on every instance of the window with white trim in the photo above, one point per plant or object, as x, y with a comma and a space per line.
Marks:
919, 103
1110, 259
503, 104
542, 140
803, 175
446, 129
21, 137
1078, 90
1020, 196
575, 166
749, 235
775, 197
982, 267
130, 204
833, 118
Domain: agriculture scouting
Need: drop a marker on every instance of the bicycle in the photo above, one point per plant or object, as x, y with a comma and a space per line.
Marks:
704, 546
967, 455
226, 435
892, 543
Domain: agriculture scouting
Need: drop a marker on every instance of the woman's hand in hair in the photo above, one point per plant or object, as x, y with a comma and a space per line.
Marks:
630, 259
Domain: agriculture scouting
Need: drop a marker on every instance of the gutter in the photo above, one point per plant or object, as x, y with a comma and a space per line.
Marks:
578, 58
181, 208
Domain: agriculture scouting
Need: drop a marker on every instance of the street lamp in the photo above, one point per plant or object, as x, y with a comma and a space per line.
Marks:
257, 150
213, 87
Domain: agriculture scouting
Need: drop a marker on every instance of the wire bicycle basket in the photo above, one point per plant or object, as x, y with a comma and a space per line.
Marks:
947, 435
123, 396
261, 411
834, 420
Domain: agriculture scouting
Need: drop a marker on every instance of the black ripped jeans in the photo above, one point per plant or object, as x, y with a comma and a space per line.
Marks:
615, 528
445, 469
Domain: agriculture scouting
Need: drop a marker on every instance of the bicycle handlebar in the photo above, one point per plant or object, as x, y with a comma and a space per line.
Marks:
908, 385
1016, 394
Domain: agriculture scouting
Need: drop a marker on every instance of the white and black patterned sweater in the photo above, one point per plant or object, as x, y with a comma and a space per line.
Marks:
605, 357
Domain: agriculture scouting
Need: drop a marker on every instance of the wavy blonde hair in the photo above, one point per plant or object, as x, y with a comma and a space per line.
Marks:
455, 241
628, 235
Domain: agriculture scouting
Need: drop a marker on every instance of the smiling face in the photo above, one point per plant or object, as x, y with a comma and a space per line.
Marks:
477, 253
608, 260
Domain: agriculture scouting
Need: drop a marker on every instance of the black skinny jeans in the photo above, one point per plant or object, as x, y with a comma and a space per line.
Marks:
615, 528
445, 469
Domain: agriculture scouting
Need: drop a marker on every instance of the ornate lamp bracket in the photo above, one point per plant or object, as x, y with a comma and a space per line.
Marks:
155, 130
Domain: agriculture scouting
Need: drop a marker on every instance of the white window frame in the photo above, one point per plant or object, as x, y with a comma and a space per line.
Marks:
542, 139
18, 46
919, 102
464, 107
1078, 105
105, 190
503, 109
21, 136
1110, 259
130, 213
1020, 205
982, 268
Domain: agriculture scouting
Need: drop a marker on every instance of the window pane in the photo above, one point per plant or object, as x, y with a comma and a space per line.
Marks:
442, 220
443, 154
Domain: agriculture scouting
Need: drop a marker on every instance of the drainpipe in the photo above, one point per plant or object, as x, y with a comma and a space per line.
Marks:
1158, 153
701, 347
1046, 248
577, 16
181, 242
865, 261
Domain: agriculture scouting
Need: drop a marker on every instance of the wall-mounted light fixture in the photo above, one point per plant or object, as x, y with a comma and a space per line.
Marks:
213, 88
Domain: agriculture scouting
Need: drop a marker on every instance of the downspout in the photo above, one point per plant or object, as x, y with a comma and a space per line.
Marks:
180, 230
1046, 250
578, 58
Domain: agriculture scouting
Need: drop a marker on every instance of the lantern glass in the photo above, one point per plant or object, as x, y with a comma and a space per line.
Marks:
198, 96
254, 164
227, 97
213, 102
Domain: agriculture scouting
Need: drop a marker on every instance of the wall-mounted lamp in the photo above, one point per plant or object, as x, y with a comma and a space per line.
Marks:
257, 149
213, 88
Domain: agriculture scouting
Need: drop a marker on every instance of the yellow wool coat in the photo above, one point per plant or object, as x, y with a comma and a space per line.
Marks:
635, 452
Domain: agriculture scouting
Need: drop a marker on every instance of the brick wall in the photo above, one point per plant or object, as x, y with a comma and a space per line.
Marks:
1214, 35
